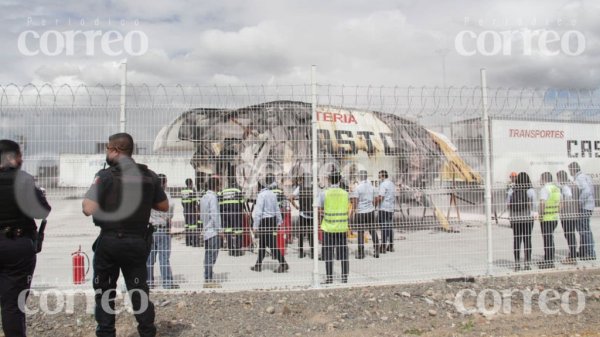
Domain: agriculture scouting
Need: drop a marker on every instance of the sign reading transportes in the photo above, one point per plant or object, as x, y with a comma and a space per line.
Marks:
536, 147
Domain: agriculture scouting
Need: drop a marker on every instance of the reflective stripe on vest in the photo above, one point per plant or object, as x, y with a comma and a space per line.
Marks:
230, 201
186, 196
552, 204
279, 194
335, 219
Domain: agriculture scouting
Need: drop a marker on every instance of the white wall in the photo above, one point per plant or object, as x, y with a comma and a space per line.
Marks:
79, 170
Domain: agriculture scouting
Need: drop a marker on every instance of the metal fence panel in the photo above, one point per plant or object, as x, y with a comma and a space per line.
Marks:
429, 140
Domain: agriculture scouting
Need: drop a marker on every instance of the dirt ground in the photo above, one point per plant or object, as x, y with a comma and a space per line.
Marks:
425, 309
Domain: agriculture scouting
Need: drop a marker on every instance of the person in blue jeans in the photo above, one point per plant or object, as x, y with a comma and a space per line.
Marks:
161, 243
211, 217
587, 202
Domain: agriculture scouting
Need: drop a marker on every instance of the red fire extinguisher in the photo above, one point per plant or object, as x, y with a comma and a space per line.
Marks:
79, 272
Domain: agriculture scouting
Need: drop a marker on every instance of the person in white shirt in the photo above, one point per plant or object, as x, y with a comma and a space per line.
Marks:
386, 200
362, 202
266, 217
211, 218
161, 243
587, 202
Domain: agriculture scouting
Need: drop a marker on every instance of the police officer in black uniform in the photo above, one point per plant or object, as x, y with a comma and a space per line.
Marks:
120, 201
20, 203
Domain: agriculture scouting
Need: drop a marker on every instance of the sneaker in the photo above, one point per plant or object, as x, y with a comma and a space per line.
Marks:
527, 267
327, 281
569, 260
256, 268
517, 267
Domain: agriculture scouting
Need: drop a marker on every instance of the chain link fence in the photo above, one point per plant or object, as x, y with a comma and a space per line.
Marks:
431, 141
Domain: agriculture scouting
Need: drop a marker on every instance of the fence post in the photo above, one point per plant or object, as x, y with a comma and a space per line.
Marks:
488, 175
122, 119
315, 172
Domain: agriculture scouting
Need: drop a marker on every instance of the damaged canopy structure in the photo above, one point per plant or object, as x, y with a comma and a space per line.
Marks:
275, 137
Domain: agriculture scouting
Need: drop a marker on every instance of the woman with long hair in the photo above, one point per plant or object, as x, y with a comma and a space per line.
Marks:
522, 204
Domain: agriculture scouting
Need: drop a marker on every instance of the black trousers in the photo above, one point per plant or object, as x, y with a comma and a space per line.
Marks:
569, 227
266, 229
305, 229
232, 223
17, 263
522, 235
338, 243
548, 228
192, 236
129, 254
387, 230
366, 222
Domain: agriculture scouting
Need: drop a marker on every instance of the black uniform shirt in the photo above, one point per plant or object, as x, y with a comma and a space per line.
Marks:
20, 200
125, 193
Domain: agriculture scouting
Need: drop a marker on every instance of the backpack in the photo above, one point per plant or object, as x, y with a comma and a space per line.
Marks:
519, 203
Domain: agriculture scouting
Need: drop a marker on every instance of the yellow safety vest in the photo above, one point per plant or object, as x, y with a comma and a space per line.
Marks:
335, 217
551, 205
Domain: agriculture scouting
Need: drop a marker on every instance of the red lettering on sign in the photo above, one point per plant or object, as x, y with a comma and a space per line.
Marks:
535, 133
336, 118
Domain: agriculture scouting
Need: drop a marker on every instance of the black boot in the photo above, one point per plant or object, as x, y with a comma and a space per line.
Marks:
283, 267
345, 270
360, 254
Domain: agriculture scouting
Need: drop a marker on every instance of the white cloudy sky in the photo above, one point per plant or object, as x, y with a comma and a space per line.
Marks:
387, 42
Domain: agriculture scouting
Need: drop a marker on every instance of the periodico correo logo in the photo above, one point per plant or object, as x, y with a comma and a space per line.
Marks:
508, 38
79, 39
